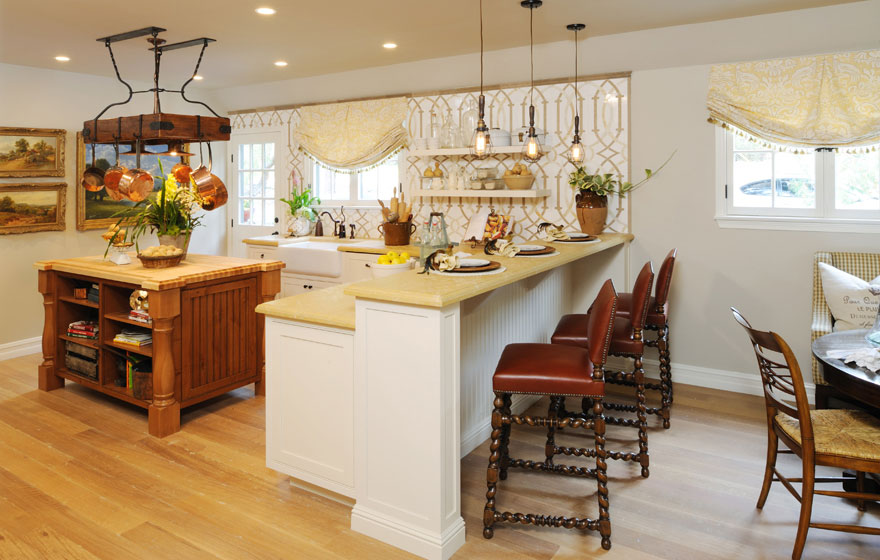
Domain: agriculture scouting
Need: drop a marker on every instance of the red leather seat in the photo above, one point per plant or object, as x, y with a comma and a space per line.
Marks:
545, 369
657, 317
572, 331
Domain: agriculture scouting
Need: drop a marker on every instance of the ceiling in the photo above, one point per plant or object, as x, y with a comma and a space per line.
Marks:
320, 37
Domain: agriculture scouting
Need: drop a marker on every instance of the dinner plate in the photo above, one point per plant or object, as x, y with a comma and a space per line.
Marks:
531, 248
489, 266
472, 263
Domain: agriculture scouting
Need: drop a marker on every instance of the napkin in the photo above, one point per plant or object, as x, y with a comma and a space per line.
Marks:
446, 262
553, 233
506, 248
868, 358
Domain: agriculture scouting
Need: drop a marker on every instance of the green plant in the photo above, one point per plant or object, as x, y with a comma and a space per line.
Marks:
604, 184
301, 204
170, 211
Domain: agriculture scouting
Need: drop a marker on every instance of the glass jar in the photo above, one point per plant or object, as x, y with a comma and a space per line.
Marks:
449, 132
469, 118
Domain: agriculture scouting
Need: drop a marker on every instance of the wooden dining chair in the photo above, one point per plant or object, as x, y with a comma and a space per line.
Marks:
847, 439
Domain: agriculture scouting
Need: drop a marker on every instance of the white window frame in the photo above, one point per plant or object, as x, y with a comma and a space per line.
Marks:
824, 217
353, 201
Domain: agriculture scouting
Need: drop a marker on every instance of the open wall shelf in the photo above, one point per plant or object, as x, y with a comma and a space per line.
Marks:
466, 193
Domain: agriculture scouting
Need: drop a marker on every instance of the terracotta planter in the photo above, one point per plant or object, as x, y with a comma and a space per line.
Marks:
592, 211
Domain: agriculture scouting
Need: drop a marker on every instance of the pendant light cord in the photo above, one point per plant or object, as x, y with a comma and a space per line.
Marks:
577, 97
532, 54
481, 47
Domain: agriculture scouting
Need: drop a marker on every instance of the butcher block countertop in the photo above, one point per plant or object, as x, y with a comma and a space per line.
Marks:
193, 269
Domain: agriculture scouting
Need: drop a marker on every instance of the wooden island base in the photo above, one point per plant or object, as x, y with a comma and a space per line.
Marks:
206, 337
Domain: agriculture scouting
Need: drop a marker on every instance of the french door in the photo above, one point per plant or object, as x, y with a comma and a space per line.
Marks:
255, 160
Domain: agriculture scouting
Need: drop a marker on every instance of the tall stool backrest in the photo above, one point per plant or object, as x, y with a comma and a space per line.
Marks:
600, 324
661, 294
641, 294
780, 380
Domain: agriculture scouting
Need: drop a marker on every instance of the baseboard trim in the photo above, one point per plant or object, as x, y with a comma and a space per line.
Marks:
408, 537
721, 379
19, 348
481, 432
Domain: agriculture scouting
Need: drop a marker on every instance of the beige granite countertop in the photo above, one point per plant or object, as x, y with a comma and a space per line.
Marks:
434, 290
347, 245
330, 307
272, 240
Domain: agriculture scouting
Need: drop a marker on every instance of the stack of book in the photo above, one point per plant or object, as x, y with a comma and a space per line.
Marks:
133, 338
140, 316
83, 329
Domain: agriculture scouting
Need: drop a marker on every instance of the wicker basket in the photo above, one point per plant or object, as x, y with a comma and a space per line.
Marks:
160, 262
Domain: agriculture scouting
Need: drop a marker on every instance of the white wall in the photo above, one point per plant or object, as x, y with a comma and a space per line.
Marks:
38, 98
766, 274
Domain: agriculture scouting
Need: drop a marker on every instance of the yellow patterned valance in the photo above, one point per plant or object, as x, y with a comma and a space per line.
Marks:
355, 135
830, 100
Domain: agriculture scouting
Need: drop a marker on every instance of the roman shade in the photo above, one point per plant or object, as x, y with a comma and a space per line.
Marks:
355, 135
830, 100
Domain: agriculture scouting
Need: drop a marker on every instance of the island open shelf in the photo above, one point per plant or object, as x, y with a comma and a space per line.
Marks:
206, 337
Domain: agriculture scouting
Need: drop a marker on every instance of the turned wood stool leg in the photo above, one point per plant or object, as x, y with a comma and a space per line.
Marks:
553, 414
665, 373
46, 378
642, 415
602, 473
492, 473
164, 411
505, 439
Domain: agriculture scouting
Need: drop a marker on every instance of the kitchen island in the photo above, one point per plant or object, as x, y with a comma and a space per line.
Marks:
206, 337
383, 412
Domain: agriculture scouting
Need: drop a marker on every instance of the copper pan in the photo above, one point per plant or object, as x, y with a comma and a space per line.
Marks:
136, 184
93, 176
202, 177
112, 177
219, 198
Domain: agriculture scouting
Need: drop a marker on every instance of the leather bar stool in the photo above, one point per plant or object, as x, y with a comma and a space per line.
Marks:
657, 321
559, 372
627, 340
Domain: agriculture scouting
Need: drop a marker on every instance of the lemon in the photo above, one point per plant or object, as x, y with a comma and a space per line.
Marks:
405, 256
384, 260
392, 255
398, 260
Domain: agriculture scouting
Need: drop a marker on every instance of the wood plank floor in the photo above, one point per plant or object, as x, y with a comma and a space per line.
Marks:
80, 478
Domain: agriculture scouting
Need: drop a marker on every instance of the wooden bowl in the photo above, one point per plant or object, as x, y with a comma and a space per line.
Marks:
519, 182
160, 262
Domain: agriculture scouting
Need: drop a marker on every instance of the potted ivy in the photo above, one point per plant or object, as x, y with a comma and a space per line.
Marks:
591, 200
301, 211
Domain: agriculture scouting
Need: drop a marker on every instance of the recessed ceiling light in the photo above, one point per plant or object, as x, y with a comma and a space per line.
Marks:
62, 58
390, 45
280, 63
197, 77
265, 11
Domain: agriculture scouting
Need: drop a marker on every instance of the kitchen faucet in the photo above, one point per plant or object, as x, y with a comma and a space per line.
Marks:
338, 225
335, 223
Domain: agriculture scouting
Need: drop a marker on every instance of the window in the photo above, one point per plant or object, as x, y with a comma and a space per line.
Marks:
823, 185
256, 184
364, 188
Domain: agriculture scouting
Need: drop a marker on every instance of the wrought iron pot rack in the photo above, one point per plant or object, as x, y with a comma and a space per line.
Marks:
156, 127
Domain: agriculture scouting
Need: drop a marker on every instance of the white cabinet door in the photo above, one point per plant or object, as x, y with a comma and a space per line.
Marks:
309, 404
357, 267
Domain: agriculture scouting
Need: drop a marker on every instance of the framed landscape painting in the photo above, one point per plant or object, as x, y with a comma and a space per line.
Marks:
31, 152
96, 210
32, 207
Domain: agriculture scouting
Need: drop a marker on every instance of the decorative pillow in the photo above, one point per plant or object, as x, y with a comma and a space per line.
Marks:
851, 303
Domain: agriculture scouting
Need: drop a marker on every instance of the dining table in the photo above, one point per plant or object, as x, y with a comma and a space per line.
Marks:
854, 382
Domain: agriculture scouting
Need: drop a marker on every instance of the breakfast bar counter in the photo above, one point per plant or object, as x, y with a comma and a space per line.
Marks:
376, 389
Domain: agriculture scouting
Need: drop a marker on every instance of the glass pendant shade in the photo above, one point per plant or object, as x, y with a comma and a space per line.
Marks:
481, 143
576, 150
532, 150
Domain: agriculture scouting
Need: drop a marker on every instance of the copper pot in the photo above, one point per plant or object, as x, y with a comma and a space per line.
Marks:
182, 173
93, 176
220, 196
112, 177
202, 177
136, 184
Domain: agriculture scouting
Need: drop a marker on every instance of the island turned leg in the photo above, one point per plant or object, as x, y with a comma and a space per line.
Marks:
47, 380
270, 285
164, 411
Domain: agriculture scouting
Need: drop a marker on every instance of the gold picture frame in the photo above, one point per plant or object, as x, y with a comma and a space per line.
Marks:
95, 210
30, 207
32, 152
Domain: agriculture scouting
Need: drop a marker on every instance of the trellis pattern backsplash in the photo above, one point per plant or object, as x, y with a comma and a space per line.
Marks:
604, 135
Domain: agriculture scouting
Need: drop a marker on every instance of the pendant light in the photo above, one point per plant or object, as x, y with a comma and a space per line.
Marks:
175, 149
576, 150
481, 143
532, 150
